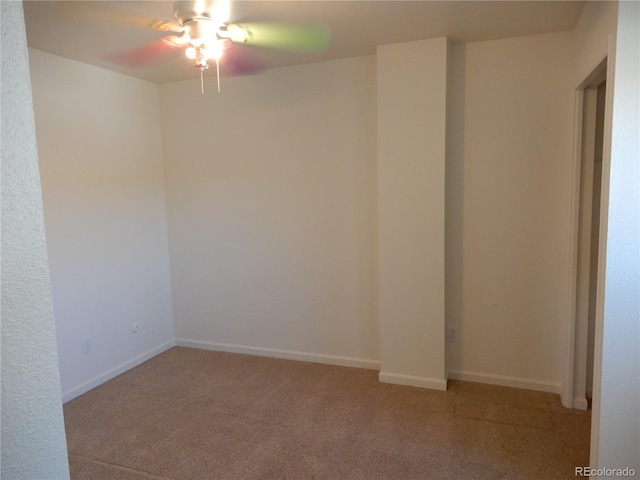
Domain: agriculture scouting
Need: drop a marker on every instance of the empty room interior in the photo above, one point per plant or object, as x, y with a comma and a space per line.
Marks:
412, 212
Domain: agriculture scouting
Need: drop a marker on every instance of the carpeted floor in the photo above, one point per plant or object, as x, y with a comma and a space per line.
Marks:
195, 414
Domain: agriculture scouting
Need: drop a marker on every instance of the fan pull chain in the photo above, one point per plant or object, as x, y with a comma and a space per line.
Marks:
202, 67
218, 73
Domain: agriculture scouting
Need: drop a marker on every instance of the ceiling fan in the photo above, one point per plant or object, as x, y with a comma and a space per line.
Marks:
202, 30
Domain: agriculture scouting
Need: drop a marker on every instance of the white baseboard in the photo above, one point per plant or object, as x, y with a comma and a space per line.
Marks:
580, 403
284, 354
413, 381
114, 372
505, 381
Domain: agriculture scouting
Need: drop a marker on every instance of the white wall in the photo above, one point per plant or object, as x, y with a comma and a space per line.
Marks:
100, 155
616, 409
412, 104
33, 439
271, 205
590, 38
510, 170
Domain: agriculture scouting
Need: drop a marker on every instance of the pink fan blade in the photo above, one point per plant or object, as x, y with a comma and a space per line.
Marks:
237, 60
147, 54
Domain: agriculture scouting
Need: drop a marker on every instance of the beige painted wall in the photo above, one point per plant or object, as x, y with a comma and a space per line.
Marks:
509, 174
412, 104
271, 205
590, 38
101, 165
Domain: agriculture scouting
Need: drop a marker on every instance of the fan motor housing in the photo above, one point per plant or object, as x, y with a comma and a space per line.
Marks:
200, 28
201, 10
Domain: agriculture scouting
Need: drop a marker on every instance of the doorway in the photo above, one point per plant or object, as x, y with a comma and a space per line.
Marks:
587, 233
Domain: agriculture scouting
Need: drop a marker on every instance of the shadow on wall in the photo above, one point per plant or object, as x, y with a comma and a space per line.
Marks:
454, 206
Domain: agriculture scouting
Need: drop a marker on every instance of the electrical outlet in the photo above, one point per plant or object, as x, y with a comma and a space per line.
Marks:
452, 334
135, 328
87, 345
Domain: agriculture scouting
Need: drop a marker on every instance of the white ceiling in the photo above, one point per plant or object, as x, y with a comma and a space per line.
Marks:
356, 27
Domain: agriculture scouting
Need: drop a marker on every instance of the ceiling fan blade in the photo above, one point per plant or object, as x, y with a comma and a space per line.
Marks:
302, 38
147, 54
236, 61
101, 12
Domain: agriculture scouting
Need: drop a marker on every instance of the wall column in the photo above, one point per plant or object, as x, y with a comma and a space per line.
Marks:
33, 438
411, 101
615, 426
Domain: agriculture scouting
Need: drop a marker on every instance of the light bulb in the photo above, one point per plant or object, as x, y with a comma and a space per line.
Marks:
215, 51
191, 53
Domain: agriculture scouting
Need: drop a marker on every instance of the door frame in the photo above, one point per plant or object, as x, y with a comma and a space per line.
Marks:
604, 70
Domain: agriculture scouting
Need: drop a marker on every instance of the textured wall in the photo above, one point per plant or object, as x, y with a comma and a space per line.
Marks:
33, 439
615, 404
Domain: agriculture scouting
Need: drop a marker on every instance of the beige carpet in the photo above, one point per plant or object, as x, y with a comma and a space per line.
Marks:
196, 414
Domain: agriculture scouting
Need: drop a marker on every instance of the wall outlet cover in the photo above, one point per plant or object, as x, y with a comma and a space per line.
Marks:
452, 334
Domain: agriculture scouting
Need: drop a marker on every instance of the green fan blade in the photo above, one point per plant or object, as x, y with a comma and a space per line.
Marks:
311, 38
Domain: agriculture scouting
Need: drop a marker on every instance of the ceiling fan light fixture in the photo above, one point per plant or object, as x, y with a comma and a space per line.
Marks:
200, 56
202, 36
200, 31
206, 33
202, 52
217, 11
190, 52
